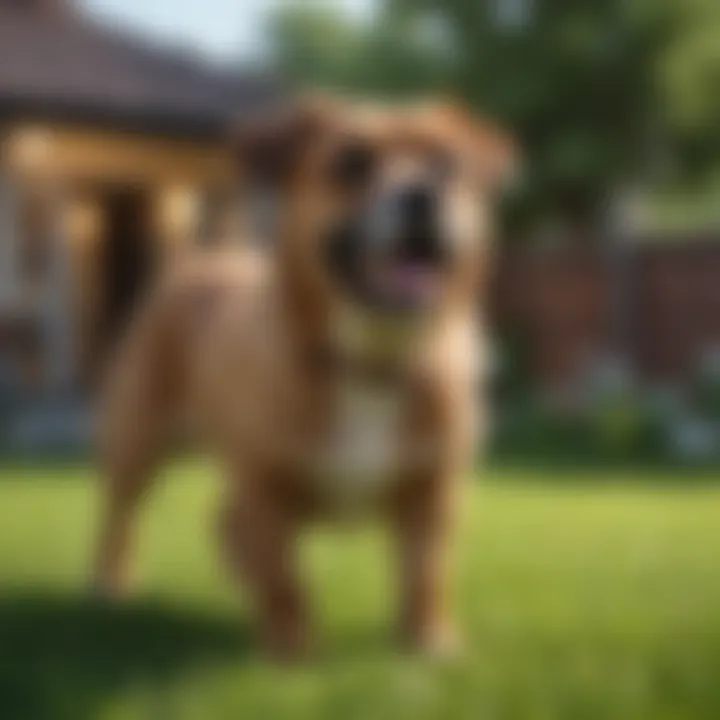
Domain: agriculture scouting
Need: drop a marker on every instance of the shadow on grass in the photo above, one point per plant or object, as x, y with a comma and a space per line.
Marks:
62, 657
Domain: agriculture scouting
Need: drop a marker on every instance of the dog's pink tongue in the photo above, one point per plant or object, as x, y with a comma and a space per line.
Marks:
410, 281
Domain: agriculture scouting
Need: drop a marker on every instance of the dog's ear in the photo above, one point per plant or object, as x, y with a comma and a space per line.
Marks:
497, 157
493, 151
269, 148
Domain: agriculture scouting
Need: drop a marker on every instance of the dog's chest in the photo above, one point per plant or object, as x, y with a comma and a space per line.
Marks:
361, 453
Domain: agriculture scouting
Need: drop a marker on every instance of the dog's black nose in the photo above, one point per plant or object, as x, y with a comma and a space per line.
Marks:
418, 206
420, 239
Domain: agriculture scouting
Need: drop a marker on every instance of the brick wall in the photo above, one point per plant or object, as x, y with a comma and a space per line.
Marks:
560, 303
676, 307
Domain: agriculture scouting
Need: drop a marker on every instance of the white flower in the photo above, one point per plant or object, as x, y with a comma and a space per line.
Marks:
694, 439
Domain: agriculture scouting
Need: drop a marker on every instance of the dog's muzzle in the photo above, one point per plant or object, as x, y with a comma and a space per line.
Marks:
392, 256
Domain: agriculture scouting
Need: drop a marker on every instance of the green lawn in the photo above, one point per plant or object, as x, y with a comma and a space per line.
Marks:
600, 602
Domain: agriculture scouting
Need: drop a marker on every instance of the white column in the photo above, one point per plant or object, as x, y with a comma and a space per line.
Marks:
8, 243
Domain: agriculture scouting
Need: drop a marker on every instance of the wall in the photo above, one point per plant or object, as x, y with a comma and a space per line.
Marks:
559, 303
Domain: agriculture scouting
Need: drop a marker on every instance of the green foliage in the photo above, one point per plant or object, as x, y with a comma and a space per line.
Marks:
689, 75
316, 44
706, 388
615, 428
511, 375
625, 428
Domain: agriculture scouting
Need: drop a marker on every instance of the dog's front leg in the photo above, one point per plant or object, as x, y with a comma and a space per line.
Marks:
259, 530
424, 520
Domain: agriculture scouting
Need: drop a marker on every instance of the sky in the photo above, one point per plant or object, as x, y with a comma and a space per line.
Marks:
221, 29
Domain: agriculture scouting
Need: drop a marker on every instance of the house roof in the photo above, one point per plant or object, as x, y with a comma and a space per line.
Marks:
62, 65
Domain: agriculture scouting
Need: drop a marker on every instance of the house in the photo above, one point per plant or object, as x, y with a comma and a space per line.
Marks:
112, 154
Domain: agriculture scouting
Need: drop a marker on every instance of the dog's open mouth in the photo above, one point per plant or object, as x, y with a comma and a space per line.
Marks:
403, 284
409, 277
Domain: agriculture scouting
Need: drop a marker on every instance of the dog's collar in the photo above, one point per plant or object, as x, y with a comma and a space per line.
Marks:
329, 363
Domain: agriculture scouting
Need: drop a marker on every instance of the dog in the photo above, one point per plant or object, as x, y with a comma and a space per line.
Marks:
338, 372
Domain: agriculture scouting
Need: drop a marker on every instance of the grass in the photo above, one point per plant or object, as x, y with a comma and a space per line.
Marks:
599, 602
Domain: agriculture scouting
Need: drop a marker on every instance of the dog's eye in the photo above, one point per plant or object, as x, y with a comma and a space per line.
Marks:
353, 165
445, 165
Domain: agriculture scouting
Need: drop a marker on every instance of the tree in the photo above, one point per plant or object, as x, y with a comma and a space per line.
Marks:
689, 76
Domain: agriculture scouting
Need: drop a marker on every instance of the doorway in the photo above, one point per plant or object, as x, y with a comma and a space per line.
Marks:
128, 257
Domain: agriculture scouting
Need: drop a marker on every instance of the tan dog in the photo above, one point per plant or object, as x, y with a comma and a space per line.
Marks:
335, 374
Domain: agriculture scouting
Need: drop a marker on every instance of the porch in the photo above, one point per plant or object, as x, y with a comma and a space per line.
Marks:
86, 220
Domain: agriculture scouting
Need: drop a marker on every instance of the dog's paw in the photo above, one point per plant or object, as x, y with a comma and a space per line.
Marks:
443, 644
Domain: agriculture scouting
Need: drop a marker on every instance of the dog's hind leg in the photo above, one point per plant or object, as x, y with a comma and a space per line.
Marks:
133, 434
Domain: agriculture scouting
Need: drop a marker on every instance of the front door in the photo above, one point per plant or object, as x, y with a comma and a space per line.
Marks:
128, 257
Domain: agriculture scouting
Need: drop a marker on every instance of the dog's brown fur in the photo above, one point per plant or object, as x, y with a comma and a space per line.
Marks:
238, 339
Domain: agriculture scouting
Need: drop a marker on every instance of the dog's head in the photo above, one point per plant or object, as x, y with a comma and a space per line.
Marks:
384, 209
